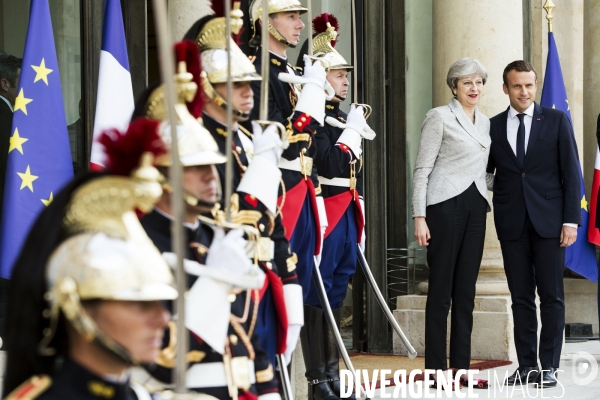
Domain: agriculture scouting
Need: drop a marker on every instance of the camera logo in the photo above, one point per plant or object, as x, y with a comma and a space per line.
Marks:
585, 368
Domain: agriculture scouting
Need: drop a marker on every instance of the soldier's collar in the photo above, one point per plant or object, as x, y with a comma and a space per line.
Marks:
278, 61
90, 385
332, 107
215, 126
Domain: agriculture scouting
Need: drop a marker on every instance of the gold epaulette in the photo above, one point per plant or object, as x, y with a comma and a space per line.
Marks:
31, 389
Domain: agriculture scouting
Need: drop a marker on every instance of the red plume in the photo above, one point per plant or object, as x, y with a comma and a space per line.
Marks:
218, 7
187, 51
320, 24
124, 149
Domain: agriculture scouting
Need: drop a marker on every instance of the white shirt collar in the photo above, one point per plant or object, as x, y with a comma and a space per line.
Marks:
8, 103
512, 113
186, 224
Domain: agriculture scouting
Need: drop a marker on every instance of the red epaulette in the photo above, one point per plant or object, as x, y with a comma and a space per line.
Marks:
31, 389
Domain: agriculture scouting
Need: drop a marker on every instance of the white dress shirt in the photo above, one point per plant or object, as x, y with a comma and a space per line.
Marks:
8, 103
512, 126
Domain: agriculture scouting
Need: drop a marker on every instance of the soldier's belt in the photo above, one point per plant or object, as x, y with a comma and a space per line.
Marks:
342, 182
296, 164
213, 374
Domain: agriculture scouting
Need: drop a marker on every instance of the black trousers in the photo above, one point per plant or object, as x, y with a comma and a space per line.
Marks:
534, 262
457, 228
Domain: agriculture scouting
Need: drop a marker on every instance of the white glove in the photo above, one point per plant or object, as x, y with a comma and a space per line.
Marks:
363, 237
312, 98
262, 177
228, 252
267, 143
355, 124
293, 333
292, 294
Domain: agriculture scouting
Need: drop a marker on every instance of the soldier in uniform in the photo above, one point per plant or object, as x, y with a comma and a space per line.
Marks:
302, 207
339, 165
259, 176
225, 363
86, 291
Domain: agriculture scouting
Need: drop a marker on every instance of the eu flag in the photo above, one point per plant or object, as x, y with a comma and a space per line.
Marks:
39, 158
580, 257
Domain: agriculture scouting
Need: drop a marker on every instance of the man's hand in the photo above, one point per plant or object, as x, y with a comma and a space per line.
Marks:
568, 236
422, 231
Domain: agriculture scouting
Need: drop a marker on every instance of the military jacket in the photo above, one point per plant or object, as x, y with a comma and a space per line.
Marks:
270, 227
333, 160
242, 341
74, 382
282, 101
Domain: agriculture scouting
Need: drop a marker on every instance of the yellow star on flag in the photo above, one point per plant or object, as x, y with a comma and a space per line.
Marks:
16, 142
584, 203
568, 107
41, 72
27, 179
21, 102
47, 202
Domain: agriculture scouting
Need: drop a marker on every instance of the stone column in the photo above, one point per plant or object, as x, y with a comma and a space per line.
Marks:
591, 91
476, 29
183, 14
470, 28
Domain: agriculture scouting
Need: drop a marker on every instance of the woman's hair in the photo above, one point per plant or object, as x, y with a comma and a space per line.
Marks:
463, 68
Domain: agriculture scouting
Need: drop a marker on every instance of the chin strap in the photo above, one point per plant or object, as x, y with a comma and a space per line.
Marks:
340, 98
218, 100
279, 36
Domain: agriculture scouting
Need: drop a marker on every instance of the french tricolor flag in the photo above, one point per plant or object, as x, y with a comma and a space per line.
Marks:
114, 104
593, 232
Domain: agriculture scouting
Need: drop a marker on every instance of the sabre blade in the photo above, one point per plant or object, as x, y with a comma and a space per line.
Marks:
412, 353
229, 137
167, 62
264, 60
318, 281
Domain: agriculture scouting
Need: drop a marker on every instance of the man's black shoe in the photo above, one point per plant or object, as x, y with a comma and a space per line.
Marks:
523, 375
547, 377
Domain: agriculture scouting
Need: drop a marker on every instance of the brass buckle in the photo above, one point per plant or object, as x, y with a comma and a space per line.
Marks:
265, 249
240, 372
306, 165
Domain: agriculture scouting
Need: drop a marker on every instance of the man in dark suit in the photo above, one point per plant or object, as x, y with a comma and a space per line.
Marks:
10, 70
536, 212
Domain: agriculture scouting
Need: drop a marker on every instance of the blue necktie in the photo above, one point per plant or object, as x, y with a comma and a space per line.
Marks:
521, 140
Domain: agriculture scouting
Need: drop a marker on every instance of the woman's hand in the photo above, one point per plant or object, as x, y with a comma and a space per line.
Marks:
422, 231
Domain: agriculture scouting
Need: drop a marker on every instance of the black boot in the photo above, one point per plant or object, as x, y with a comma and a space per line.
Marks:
312, 339
332, 356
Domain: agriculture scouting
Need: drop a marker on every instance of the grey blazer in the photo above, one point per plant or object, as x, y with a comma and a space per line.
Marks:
453, 153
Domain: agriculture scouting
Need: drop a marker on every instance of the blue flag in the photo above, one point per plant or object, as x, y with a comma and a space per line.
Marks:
580, 257
39, 157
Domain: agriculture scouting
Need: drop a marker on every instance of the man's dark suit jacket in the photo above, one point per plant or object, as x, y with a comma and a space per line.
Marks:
6, 116
547, 186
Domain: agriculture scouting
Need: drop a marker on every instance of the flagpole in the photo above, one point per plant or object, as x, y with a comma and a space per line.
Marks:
549, 7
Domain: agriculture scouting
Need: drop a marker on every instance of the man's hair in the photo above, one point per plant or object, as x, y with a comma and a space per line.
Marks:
9, 67
519, 66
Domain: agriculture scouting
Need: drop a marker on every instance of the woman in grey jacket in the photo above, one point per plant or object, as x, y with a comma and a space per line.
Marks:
449, 206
